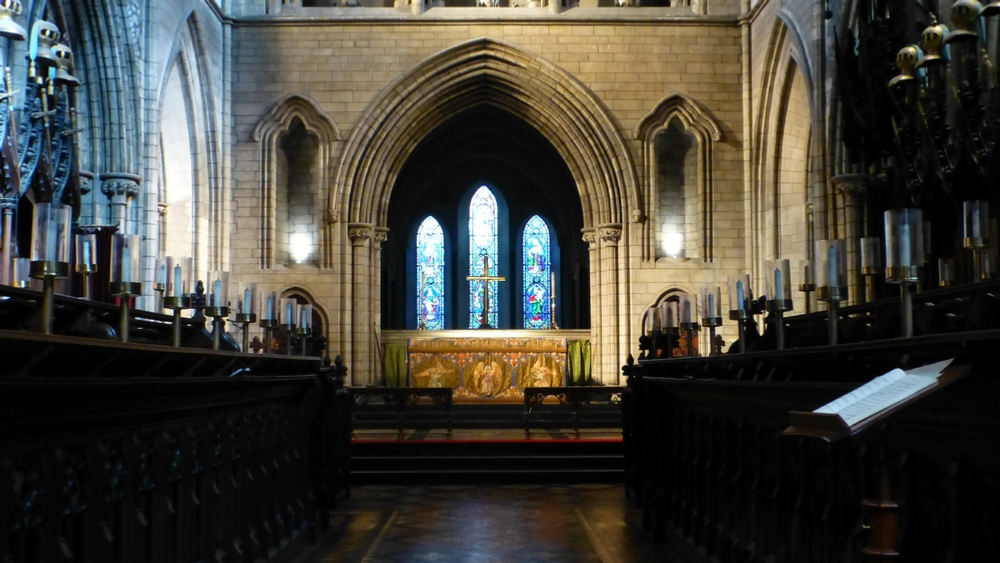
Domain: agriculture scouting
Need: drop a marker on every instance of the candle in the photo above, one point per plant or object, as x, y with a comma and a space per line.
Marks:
126, 265
711, 305
672, 315
178, 289
656, 318
687, 310
904, 245
270, 308
779, 287
739, 295
303, 322
246, 307
831, 257
289, 317
86, 253
217, 296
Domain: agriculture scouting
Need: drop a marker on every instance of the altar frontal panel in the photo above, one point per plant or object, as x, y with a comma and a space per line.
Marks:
487, 368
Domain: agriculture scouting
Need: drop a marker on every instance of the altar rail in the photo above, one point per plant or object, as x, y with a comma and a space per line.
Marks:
112, 465
706, 462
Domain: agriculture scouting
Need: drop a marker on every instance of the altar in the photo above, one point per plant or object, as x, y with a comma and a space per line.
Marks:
486, 365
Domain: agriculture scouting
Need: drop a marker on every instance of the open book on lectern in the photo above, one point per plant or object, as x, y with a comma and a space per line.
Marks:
844, 416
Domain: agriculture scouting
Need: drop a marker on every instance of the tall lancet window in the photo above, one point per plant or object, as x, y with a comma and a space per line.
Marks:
537, 274
430, 275
482, 249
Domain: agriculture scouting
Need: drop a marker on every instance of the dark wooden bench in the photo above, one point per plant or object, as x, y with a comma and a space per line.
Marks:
575, 397
400, 398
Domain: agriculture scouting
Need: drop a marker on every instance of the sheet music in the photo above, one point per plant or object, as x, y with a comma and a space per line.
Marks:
883, 392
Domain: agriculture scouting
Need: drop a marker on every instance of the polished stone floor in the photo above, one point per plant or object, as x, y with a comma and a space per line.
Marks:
586, 523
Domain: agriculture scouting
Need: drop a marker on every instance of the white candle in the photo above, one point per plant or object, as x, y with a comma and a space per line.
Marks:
303, 323
246, 308
289, 317
178, 289
831, 258
904, 246
86, 253
711, 305
126, 265
739, 295
270, 309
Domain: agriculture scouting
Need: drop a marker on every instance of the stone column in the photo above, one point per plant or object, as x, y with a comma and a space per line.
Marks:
8, 205
852, 187
590, 237
610, 357
379, 235
120, 188
359, 355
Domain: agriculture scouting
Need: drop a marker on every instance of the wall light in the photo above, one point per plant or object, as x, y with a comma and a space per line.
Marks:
300, 247
673, 244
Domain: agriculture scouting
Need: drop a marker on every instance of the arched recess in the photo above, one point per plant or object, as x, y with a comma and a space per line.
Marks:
269, 132
319, 313
786, 63
673, 294
487, 71
479, 72
694, 120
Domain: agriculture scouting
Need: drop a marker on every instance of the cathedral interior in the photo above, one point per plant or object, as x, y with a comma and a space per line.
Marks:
735, 260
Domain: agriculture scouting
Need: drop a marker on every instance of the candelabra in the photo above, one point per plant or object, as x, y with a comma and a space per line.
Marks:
178, 291
125, 253
779, 293
739, 306
49, 253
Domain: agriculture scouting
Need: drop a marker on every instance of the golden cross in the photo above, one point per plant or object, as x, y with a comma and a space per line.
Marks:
486, 278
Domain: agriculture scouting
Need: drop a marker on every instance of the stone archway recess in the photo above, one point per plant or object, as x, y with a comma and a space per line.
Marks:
487, 71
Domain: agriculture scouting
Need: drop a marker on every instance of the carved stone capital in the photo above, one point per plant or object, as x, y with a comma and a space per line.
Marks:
332, 216
120, 187
8, 205
380, 235
852, 186
359, 233
610, 234
86, 182
590, 237
161, 209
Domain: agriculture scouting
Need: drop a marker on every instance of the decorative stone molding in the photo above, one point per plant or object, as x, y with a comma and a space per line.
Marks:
120, 187
86, 181
380, 236
359, 233
637, 216
332, 216
590, 237
610, 234
852, 185
161, 209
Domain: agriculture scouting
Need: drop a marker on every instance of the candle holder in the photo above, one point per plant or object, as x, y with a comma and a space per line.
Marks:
160, 282
86, 259
218, 305
831, 278
246, 306
946, 272
125, 254
269, 318
670, 330
22, 273
808, 285
49, 253
304, 325
287, 321
975, 232
871, 264
779, 292
904, 253
711, 317
178, 290
740, 298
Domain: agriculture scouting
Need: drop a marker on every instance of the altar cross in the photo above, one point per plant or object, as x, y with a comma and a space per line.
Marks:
486, 278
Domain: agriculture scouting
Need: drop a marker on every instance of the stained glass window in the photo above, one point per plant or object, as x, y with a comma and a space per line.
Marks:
430, 275
537, 274
482, 244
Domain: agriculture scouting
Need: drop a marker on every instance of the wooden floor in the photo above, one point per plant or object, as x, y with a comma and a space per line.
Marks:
582, 523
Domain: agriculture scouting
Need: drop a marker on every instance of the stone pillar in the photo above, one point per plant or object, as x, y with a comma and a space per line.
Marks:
8, 205
590, 237
611, 355
379, 235
359, 355
120, 188
852, 187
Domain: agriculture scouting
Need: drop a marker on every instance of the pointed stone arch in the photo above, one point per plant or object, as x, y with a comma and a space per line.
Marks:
487, 71
268, 132
696, 121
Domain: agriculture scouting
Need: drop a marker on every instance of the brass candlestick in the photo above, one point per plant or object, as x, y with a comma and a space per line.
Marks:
289, 330
740, 316
48, 271
244, 320
711, 323
268, 325
808, 288
778, 308
218, 315
302, 332
125, 291
833, 295
177, 304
